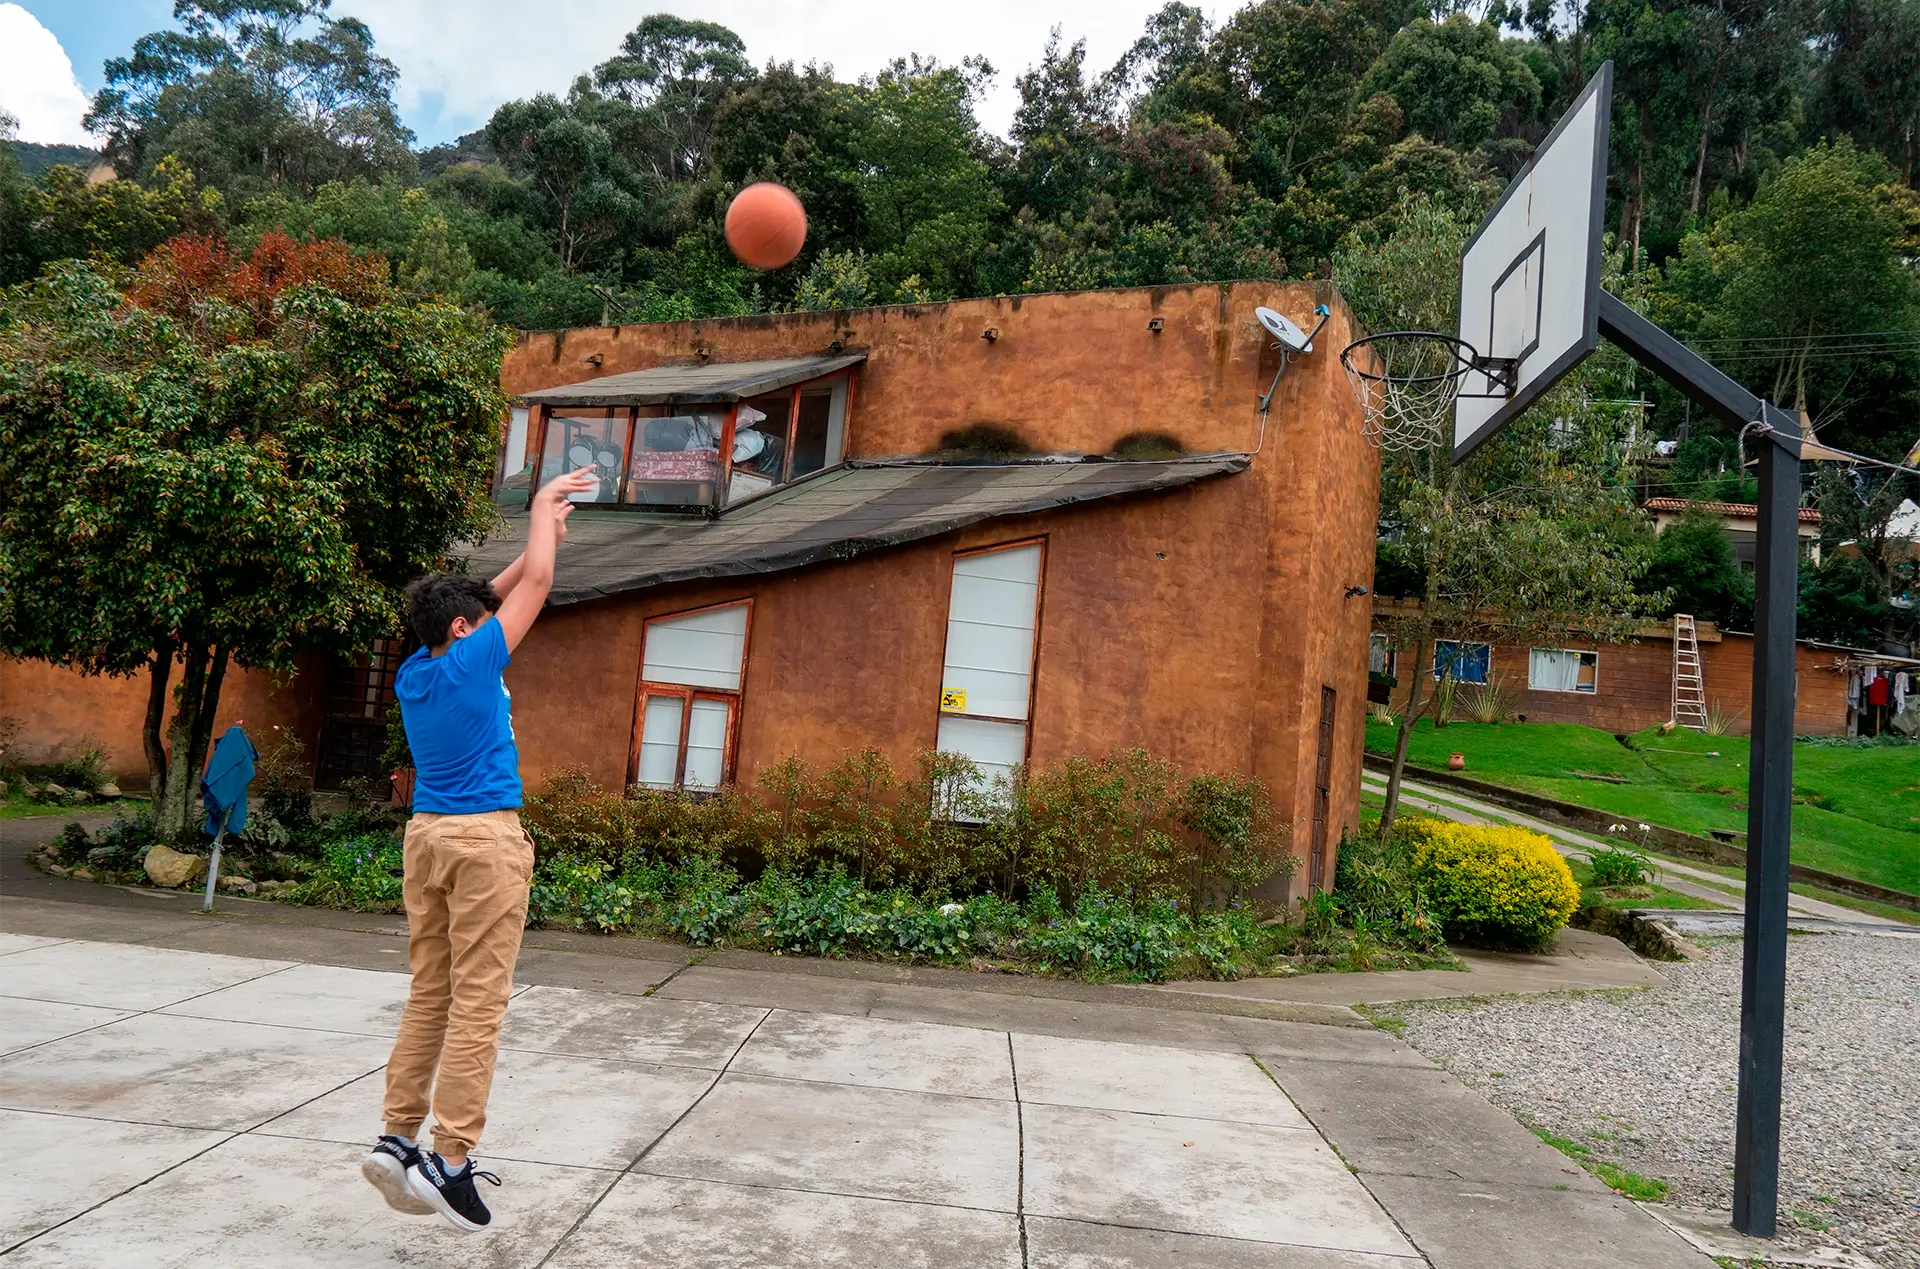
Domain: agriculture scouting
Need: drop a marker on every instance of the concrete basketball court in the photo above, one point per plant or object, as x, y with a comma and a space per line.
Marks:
180, 1090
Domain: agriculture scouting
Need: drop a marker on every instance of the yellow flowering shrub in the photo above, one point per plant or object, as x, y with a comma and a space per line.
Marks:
1491, 884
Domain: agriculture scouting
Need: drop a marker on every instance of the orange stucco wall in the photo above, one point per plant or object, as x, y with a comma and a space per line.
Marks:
61, 712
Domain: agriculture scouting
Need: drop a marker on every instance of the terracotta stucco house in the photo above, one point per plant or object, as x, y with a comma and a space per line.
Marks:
1025, 528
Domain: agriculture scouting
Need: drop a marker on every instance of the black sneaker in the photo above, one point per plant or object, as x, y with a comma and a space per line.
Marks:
385, 1168
451, 1195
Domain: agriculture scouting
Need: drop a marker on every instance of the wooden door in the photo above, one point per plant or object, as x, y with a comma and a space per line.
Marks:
1322, 791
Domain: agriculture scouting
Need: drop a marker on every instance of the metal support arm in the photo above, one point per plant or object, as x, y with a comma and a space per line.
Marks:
1763, 982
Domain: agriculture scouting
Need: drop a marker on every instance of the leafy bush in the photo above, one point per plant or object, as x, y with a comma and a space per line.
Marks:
356, 872
281, 815
1105, 932
1492, 884
1489, 702
1619, 866
87, 769
1239, 844
1377, 890
1126, 824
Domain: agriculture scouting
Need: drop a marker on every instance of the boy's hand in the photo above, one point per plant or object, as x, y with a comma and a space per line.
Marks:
561, 488
561, 511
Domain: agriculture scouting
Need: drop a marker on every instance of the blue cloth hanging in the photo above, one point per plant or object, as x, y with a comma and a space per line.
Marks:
224, 787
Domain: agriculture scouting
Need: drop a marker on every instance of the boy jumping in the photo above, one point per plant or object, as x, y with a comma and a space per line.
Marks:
466, 868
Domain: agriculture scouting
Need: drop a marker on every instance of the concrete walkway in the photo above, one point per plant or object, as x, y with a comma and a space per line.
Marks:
1716, 889
179, 1090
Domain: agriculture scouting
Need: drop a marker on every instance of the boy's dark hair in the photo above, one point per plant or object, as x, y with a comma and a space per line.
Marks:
435, 600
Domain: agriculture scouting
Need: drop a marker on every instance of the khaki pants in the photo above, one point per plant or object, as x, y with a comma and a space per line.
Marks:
465, 882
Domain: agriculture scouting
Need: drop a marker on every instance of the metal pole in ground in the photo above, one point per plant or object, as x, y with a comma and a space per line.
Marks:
1763, 982
213, 865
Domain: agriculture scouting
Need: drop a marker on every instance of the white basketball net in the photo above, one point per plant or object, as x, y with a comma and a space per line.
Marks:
1406, 382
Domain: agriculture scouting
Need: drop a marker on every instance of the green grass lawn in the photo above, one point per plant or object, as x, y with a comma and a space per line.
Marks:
1856, 810
1658, 896
18, 808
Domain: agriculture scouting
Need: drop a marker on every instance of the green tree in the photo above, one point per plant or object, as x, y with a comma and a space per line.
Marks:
63, 215
253, 93
1692, 561
1794, 293
217, 461
674, 74
589, 198
1456, 81
1869, 84
1868, 560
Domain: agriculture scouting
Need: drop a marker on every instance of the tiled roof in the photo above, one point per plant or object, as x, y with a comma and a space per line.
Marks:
841, 513
1738, 510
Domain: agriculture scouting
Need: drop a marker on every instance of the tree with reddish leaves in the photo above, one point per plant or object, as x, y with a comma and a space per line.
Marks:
218, 459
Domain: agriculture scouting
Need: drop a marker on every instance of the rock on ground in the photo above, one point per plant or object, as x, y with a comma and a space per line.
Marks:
169, 867
1647, 1079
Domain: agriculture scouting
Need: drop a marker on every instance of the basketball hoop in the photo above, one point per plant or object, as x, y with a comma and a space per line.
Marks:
1406, 382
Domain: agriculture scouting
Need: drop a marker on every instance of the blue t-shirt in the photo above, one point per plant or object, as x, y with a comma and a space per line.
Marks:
459, 721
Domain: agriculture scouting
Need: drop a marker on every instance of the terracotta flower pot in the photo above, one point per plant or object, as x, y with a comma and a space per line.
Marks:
1456, 762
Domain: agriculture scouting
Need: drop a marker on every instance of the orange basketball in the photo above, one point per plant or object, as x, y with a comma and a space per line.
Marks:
766, 225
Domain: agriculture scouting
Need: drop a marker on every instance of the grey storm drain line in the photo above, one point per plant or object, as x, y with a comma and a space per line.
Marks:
675, 974
1020, 1157
654, 1144
141, 1013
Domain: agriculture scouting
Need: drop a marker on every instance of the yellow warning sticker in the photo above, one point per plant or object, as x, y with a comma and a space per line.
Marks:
953, 700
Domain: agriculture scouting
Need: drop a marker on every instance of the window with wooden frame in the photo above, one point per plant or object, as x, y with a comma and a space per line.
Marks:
695, 457
986, 687
1469, 662
687, 718
1563, 670
1382, 657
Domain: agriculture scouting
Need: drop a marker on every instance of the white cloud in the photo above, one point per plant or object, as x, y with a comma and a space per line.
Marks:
457, 64
37, 85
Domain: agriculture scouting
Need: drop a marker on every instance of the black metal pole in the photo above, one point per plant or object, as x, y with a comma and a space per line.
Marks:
1763, 981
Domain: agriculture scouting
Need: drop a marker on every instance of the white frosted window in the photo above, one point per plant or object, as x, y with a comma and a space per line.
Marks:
660, 742
1380, 654
515, 460
700, 649
706, 744
990, 628
996, 748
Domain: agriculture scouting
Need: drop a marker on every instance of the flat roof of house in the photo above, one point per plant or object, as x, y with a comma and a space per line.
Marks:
843, 512
698, 383
1736, 510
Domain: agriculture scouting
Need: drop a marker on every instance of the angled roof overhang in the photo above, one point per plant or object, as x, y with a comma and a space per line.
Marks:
841, 513
700, 383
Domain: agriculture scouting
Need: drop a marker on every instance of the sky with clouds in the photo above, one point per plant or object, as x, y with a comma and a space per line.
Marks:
459, 59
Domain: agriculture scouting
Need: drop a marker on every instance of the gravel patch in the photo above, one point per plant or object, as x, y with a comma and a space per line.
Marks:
1647, 1079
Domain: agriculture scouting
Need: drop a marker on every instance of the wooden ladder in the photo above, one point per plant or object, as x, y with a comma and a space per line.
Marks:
1689, 688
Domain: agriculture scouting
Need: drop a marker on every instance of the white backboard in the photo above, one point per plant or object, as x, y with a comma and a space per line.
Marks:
1530, 275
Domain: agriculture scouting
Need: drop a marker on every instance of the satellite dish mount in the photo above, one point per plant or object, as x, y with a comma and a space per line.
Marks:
1289, 339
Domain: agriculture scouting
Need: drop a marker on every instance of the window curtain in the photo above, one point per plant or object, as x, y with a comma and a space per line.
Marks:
1470, 661
1553, 670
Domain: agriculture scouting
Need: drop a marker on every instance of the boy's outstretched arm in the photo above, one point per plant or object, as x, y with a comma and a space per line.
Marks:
528, 579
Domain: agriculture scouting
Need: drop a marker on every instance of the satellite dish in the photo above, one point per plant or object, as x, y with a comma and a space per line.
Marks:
1290, 336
